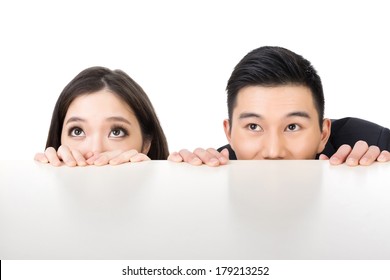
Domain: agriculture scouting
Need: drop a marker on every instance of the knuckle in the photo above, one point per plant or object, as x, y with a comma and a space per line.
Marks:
345, 148
362, 143
62, 150
173, 154
38, 156
49, 150
129, 155
374, 149
199, 151
183, 151
133, 152
191, 157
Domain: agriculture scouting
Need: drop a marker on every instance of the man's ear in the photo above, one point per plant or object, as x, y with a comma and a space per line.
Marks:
146, 146
325, 134
226, 127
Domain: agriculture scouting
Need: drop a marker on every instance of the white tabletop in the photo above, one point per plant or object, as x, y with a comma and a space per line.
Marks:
164, 210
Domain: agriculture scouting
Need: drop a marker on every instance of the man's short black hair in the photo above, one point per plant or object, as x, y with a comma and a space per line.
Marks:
272, 67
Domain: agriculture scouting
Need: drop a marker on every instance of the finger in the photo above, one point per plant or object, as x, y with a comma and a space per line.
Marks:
223, 156
65, 154
79, 158
175, 157
323, 157
91, 159
206, 157
139, 157
104, 158
189, 157
225, 153
370, 156
88, 155
340, 156
40, 157
384, 156
357, 153
123, 157
52, 157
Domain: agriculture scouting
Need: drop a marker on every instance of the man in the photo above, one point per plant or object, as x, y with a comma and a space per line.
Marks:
276, 111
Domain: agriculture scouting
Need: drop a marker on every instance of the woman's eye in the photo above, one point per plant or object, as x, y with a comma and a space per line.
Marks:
76, 132
292, 127
254, 127
118, 132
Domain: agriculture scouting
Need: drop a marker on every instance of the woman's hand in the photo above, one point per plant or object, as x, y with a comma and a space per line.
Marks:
75, 158
63, 156
117, 157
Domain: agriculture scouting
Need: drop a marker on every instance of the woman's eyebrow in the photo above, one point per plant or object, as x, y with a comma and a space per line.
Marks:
118, 119
74, 119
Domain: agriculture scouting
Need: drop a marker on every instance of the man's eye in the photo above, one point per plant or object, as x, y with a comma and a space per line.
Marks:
254, 127
76, 132
292, 127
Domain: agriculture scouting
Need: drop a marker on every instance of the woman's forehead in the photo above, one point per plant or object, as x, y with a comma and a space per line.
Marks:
104, 103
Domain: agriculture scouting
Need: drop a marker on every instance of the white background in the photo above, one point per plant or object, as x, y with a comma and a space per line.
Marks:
182, 53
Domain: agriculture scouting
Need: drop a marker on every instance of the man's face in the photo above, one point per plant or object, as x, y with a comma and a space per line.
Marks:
276, 123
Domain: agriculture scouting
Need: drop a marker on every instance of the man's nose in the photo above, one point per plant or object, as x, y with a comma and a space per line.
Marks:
273, 147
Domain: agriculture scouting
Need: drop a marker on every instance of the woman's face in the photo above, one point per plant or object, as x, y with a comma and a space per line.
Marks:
100, 122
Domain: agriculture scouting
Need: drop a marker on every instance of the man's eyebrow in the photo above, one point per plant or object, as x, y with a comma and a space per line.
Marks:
75, 119
246, 115
301, 114
118, 119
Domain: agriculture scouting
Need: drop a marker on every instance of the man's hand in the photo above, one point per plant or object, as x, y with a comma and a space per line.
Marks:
200, 156
361, 154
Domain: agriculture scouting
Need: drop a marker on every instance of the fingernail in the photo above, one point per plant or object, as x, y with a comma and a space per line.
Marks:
223, 160
98, 161
214, 161
351, 161
334, 160
381, 158
364, 161
176, 157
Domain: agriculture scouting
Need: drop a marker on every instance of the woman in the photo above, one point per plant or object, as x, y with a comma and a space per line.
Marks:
103, 117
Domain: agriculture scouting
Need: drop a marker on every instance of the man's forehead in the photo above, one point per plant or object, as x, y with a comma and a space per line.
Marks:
282, 100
